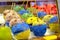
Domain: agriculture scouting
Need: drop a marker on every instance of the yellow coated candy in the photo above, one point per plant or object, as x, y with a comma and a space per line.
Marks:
38, 22
5, 33
47, 18
31, 20
23, 35
35, 23
41, 21
54, 27
51, 37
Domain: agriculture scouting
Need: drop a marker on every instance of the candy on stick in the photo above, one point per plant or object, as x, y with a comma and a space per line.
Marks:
21, 30
17, 8
10, 13
9, 17
25, 16
15, 21
5, 33
47, 18
38, 27
52, 21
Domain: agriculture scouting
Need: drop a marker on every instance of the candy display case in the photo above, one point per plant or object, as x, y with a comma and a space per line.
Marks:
29, 20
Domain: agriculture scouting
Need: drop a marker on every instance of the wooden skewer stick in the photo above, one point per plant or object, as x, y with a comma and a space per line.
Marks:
23, 2
13, 5
30, 4
35, 1
36, 9
31, 7
27, 2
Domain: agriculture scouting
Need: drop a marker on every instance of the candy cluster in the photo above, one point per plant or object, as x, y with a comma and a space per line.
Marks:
34, 19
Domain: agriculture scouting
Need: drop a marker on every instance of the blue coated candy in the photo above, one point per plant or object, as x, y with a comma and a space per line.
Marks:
22, 11
54, 19
39, 30
19, 27
7, 24
41, 14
